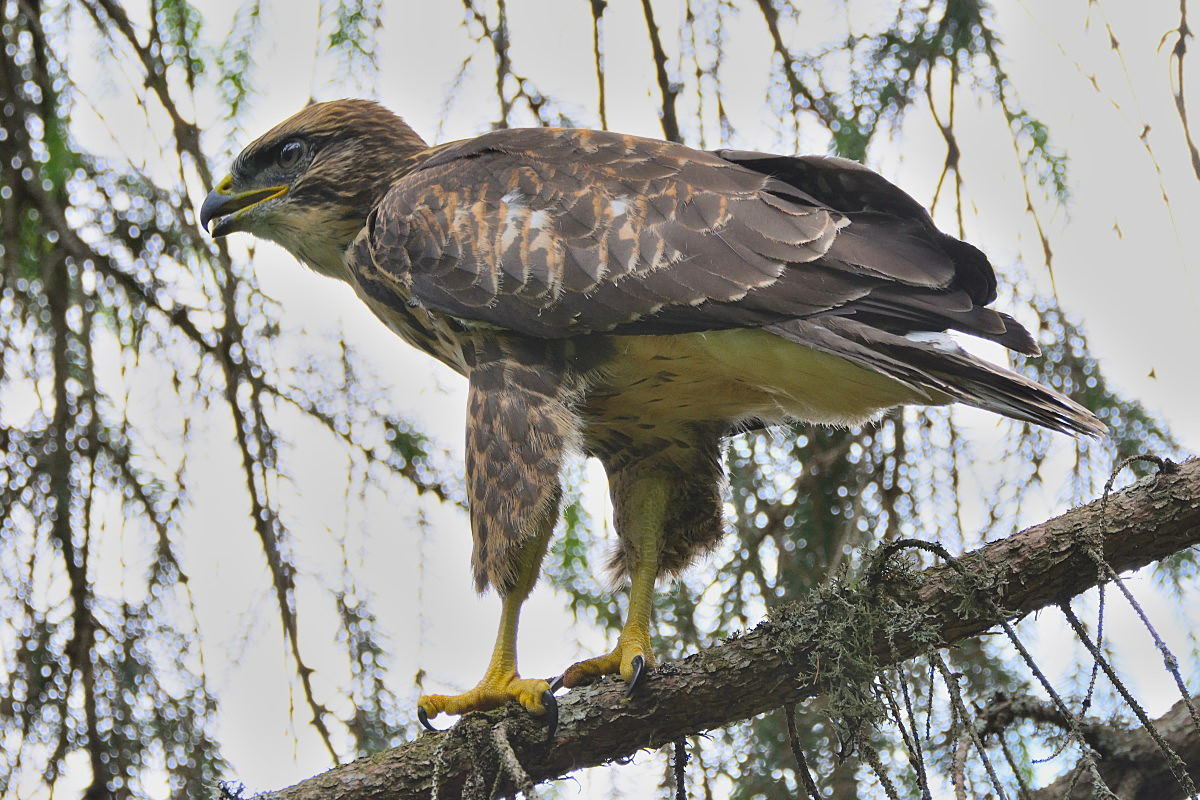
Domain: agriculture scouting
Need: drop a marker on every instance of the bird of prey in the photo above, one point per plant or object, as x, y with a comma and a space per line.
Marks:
635, 300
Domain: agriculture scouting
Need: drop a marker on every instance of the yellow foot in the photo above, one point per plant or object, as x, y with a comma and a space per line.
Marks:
631, 658
492, 692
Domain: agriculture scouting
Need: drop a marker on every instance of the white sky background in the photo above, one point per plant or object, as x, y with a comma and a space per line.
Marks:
1138, 295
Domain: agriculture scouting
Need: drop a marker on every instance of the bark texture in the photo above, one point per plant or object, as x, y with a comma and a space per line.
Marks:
776, 662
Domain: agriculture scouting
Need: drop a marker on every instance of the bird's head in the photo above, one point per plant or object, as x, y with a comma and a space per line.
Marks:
310, 182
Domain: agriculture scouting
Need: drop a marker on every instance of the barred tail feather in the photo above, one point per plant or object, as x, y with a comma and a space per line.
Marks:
935, 365
997, 389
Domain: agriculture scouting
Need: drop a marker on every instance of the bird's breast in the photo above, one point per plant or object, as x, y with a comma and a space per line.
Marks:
428, 332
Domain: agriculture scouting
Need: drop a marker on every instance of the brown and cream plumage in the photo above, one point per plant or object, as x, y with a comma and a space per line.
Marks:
634, 299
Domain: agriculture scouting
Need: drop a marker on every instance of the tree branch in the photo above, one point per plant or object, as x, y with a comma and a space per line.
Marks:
670, 123
1127, 759
774, 664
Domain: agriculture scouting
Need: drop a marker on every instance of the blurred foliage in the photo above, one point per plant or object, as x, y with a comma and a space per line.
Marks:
103, 274
234, 58
104, 278
355, 26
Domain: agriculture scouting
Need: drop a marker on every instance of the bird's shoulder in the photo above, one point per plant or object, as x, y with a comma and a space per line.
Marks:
564, 159
559, 232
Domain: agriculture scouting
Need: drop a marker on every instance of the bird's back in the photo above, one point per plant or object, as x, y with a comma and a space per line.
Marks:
561, 233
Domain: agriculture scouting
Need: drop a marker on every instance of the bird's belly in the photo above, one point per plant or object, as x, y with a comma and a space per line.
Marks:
737, 375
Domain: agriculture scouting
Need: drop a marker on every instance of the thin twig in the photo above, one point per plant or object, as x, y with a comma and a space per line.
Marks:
597, 7
1178, 52
1174, 762
679, 766
803, 774
961, 708
511, 765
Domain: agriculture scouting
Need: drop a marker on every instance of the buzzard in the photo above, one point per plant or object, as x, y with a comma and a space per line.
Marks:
635, 300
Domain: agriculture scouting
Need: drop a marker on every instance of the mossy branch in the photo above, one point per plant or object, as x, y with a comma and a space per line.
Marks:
786, 659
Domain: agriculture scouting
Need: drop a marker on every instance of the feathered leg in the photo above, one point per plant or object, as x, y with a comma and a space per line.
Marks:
518, 424
666, 491
642, 541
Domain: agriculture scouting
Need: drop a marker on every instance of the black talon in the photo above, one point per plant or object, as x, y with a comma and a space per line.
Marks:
423, 718
556, 684
551, 704
639, 665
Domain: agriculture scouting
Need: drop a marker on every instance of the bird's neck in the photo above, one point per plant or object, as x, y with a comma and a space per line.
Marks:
321, 241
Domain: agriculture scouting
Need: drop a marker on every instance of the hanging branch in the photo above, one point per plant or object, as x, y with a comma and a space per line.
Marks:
799, 90
62, 436
497, 37
1137, 118
1127, 758
597, 7
953, 153
778, 662
1182, 33
670, 123
254, 438
1018, 120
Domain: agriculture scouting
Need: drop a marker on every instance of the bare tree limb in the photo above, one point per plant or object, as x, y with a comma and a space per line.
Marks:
773, 664
670, 123
1127, 759
598, 60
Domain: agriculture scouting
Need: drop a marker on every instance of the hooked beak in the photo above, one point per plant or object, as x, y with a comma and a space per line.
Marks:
224, 207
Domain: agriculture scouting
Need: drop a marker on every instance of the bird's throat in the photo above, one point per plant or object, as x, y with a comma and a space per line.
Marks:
316, 243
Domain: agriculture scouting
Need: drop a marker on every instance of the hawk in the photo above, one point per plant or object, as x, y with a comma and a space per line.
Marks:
635, 300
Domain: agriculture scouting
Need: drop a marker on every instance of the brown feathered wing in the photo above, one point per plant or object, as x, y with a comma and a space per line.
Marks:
557, 232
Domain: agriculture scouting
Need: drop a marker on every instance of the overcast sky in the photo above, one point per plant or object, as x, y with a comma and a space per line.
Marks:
1123, 265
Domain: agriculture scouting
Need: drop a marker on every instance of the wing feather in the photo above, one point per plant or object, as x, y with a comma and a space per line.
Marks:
555, 233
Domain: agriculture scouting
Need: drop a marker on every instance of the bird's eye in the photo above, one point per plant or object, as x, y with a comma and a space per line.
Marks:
290, 154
